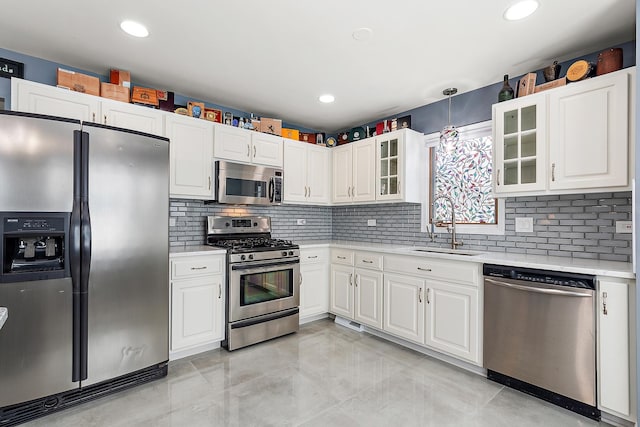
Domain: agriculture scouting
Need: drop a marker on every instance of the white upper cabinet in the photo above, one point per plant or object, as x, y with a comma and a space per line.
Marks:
31, 97
399, 161
354, 171
191, 156
129, 116
571, 139
520, 144
306, 173
241, 145
588, 134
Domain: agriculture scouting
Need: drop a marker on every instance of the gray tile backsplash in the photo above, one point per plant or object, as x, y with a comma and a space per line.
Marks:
191, 216
577, 225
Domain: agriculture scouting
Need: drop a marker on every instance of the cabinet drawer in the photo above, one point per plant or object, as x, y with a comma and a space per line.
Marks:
342, 256
368, 260
456, 271
315, 255
194, 266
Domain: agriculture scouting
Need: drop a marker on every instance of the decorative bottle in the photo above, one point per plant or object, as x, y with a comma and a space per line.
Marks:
506, 92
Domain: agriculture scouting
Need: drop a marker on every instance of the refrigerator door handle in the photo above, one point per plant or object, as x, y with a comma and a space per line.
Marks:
75, 257
85, 258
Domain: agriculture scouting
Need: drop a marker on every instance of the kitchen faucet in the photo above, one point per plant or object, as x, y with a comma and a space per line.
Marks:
454, 242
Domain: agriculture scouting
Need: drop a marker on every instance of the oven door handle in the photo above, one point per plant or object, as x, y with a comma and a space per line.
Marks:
260, 266
540, 290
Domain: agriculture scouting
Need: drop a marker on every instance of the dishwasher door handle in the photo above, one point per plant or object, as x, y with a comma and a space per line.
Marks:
535, 289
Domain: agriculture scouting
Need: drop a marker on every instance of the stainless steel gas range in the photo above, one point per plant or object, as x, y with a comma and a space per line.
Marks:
263, 280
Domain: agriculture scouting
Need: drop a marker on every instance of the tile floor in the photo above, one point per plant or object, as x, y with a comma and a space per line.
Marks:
325, 375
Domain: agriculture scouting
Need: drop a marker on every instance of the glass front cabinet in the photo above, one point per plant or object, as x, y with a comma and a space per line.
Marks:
388, 166
520, 146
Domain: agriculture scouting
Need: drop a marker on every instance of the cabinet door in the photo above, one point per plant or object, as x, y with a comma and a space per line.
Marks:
368, 298
404, 307
519, 144
133, 117
318, 174
314, 291
295, 172
452, 319
588, 135
196, 312
232, 143
266, 149
613, 347
342, 174
191, 156
389, 159
341, 300
364, 171
43, 99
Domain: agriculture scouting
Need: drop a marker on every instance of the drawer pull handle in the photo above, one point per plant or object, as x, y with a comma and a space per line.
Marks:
312, 257
199, 268
366, 261
424, 269
342, 257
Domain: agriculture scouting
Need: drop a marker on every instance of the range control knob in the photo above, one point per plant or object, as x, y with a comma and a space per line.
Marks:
251, 256
243, 257
284, 253
290, 252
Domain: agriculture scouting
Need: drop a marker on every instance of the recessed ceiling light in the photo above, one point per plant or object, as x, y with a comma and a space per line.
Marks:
134, 28
362, 34
520, 10
327, 98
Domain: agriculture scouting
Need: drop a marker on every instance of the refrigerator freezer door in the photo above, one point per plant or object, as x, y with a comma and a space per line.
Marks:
128, 306
36, 163
35, 341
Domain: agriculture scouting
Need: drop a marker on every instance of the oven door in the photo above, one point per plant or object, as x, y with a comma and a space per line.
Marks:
262, 288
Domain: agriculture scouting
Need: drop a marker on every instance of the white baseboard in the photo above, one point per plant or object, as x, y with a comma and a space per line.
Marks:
175, 355
313, 318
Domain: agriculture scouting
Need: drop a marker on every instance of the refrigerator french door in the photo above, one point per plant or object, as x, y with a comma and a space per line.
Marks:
84, 251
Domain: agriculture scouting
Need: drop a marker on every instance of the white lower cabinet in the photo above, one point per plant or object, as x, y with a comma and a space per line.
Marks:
314, 290
197, 302
614, 339
404, 307
436, 303
452, 319
356, 292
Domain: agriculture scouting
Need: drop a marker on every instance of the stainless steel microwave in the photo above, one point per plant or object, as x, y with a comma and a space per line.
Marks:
240, 184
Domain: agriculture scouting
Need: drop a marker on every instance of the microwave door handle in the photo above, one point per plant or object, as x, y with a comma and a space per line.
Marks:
271, 189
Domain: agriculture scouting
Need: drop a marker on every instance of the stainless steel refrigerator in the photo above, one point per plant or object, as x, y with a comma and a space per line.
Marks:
84, 226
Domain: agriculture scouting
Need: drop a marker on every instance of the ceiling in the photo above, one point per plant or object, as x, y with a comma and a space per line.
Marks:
274, 58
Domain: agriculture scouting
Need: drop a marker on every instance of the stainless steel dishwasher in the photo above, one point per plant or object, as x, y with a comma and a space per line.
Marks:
540, 334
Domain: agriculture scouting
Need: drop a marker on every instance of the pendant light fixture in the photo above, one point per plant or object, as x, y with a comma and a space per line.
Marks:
449, 134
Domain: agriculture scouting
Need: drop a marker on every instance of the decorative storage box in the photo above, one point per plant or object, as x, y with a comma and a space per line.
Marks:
291, 133
272, 126
111, 91
78, 82
308, 137
120, 77
144, 96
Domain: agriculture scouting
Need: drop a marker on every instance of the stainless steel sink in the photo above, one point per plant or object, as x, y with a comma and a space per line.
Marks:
446, 251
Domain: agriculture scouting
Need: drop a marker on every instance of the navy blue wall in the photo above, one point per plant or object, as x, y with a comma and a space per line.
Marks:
43, 71
466, 108
475, 106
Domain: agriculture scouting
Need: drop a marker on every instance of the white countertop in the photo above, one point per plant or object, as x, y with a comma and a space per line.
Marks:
178, 251
575, 265
4, 314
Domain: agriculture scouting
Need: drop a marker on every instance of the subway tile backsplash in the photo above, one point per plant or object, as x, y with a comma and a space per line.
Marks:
576, 225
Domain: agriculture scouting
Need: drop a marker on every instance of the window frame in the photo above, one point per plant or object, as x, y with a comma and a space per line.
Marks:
431, 140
